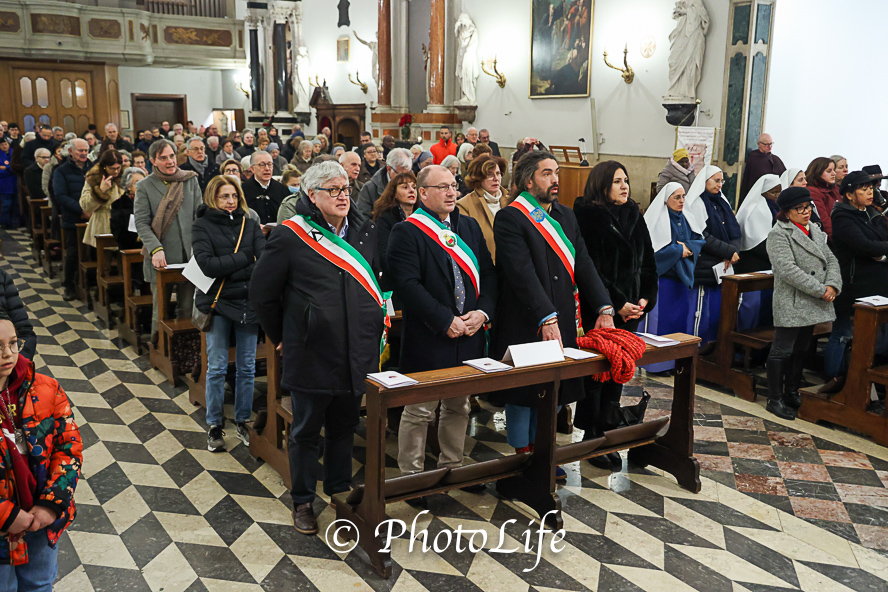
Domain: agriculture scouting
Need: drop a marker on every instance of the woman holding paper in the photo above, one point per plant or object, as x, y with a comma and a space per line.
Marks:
860, 240
618, 241
677, 245
706, 207
806, 283
226, 243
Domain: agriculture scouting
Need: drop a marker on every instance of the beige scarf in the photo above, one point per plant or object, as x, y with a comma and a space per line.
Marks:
171, 202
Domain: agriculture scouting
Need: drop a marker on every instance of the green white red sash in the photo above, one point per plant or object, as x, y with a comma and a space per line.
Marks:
452, 244
342, 255
551, 231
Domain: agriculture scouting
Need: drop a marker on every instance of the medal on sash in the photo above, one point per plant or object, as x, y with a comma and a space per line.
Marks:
450, 242
554, 235
345, 257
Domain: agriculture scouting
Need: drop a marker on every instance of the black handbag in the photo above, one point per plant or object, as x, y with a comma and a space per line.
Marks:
204, 320
630, 415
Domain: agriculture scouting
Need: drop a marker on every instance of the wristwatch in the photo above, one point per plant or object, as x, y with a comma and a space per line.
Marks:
607, 310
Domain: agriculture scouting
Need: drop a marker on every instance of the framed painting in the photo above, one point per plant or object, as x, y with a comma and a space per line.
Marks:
342, 47
560, 48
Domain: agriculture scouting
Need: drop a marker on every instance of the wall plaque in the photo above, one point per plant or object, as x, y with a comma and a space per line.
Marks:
193, 36
104, 28
55, 24
10, 22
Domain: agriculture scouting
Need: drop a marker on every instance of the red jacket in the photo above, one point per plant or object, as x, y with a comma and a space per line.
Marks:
441, 150
825, 198
55, 454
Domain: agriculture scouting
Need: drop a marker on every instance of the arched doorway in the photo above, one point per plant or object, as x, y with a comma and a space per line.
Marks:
348, 132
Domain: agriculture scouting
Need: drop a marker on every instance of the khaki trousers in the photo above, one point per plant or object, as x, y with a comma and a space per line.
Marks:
451, 433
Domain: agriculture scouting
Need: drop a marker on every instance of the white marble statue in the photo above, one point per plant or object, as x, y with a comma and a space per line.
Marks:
301, 69
467, 65
688, 43
374, 47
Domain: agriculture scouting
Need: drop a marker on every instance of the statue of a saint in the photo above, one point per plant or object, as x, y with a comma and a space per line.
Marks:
467, 66
688, 43
300, 73
374, 47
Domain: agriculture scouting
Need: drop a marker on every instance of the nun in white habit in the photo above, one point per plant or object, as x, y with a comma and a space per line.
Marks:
707, 207
756, 216
677, 243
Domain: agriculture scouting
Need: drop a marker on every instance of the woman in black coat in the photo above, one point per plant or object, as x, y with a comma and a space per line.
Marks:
223, 226
860, 242
617, 239
11, 302
395, 205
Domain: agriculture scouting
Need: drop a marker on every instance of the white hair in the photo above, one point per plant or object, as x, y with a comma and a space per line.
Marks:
192, 140
109, 126
320, 173
258, 153
213, 140
399, 158
345, 155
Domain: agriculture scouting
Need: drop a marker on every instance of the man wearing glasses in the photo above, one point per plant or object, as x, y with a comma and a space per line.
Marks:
315, 292
760, 162
34, 174
444, 275
264, 195
198, 162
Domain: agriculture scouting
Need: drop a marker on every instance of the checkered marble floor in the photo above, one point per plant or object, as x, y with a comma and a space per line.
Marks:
156, 511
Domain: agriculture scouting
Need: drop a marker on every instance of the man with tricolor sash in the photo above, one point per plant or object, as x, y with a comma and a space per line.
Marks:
316, 294
545, 271
441, 269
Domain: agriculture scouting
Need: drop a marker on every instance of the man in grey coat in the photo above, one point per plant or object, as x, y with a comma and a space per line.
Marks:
164, 209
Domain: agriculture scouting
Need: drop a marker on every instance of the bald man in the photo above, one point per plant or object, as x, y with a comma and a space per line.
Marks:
760, 162
351, 162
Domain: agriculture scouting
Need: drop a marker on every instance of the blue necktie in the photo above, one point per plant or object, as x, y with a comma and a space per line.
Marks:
459, 287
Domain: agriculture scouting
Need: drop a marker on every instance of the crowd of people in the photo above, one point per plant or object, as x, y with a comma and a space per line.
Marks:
306, 240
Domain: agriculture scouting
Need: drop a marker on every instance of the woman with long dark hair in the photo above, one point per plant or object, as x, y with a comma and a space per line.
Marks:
395, 205
618, 241
821, 177
101, 189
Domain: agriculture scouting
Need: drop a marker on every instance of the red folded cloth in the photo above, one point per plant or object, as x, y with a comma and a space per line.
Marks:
620, 347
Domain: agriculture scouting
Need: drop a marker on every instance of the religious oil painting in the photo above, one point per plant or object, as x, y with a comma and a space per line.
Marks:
561, 48
342, 47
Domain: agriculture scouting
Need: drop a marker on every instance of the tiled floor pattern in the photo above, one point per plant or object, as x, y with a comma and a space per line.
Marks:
159, 512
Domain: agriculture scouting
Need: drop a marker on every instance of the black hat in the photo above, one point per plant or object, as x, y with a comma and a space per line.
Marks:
874, 171
854, 179
793, 196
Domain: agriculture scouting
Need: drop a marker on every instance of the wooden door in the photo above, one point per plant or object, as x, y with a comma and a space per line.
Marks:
151, 110
53, 97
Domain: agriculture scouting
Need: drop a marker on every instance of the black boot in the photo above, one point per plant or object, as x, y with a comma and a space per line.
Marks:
794, 367
775, 391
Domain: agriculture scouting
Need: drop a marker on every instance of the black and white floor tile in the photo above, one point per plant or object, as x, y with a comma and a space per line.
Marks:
157, 512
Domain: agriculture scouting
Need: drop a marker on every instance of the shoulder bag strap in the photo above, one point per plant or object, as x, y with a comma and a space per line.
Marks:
236, 247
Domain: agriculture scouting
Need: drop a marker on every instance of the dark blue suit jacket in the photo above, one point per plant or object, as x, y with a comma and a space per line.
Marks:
422, 274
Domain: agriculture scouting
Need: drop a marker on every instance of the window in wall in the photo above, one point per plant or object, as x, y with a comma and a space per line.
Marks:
67, 93
27, 91
68, 123
30, 123
44, 119
80, 93
42, 93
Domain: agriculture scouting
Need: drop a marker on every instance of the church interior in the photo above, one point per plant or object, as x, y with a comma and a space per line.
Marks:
709, 482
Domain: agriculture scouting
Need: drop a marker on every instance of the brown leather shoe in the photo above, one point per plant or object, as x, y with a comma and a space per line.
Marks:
833, 386
304, 519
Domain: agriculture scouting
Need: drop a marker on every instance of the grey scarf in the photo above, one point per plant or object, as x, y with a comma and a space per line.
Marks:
200, 167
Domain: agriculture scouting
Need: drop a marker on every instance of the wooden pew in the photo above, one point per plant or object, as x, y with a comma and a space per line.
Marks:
135, 306
848, 407
716, 367
49, 243
37, 229
168, 327
86, 268
197, 388
109, 279
529, 478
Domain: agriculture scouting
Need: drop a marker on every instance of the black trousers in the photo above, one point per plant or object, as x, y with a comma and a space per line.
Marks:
70, 258
339, 417
592, 411
790, 342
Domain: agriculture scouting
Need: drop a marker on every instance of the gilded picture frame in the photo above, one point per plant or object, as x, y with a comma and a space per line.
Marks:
560, 48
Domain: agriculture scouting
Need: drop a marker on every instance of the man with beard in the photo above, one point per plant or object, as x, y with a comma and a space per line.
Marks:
541, 284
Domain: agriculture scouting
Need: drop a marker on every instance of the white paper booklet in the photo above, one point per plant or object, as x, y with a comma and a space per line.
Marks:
176, 266
874, 300
578, 354
656, 340
391, 379
720, 272
195, 275
132, 224
487, 365
532, 354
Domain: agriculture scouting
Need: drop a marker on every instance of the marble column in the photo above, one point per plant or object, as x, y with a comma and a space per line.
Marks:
253, 22
281, 14
384, 48
436, 52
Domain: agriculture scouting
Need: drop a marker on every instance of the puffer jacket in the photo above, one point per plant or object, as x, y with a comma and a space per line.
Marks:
806, 268
213, 239
55, 455
11, 302
860, 241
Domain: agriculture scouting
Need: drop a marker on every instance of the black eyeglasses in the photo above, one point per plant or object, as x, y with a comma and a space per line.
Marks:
804, 209
335, 191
